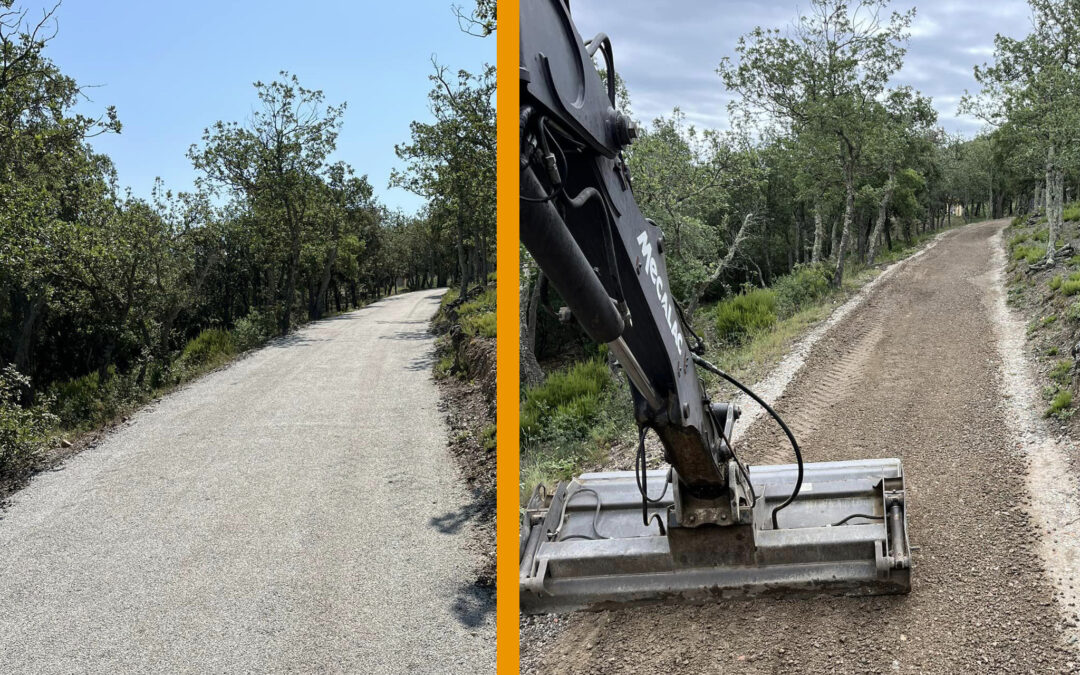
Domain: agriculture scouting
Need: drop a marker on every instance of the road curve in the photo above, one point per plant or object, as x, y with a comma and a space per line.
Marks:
295, 512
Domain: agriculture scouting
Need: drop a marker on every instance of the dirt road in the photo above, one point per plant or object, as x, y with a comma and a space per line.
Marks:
297, 511
914, 372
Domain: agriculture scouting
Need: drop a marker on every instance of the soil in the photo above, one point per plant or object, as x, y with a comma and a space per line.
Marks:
467, 399
916, 371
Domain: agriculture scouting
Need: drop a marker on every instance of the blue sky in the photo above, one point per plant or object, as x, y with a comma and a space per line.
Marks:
667, 52
173, 68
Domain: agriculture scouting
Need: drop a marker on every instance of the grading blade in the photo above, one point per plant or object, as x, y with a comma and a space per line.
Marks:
586, 547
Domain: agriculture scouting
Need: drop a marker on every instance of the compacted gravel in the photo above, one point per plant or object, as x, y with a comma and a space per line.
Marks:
297, 511
914, 371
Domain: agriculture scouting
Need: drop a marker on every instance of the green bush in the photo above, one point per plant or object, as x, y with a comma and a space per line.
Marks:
23, 431
567, 401
805, 284
82, 399
1070, 287
212, 346
1031, 254
252, 330
1062, 400
1072, 212
482, 325
488, 437
1055, 283
1061, 371
745, 314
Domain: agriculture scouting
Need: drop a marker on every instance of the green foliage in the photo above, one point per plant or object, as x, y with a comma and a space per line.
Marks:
1055, 282
804, 285
252, 330
745, 314
477, 316
1061, 371
1070, 286
482, 325
1061, 402
23, 431
212, 346
1052, 350
444, 366
488, 437
1071, 212
1030, 254
566, 402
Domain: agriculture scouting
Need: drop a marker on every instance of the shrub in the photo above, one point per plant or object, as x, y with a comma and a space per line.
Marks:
805, 284
482, 325
745, 314
252, 330
23, 431
212, 346
488, 437
567, 400
1061, 371
1062, 400
1031, 254
1055, 283
82, 399
1070, 287
1072, 212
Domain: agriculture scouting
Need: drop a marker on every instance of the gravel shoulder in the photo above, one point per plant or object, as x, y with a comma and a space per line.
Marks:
917, 370
293, 512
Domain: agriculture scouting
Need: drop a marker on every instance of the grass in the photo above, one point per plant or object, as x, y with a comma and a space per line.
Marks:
568, 400
1060, 404
1061, 371
477, 316
1055, 282
745, 314
1071, 211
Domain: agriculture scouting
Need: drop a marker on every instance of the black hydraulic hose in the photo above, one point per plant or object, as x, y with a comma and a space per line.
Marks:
791, 437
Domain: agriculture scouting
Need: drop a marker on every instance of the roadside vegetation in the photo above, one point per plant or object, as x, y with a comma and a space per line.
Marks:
108, 299
1049, 297
770, 224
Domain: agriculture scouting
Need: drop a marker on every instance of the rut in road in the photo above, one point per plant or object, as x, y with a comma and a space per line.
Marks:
297, 511
913, 372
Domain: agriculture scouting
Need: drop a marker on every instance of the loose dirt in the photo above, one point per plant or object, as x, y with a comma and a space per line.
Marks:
915, 371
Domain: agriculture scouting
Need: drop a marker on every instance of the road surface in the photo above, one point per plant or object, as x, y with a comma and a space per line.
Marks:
914, 372
295, 512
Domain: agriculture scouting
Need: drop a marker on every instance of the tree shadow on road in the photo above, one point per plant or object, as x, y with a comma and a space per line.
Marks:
424, 362
475, 600
408, 335
474, 603
480, 506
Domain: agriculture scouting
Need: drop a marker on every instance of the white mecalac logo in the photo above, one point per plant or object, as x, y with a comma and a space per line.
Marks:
658, 282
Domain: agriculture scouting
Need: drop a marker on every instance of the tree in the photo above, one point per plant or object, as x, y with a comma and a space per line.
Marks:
905, 118
451, 162
274, 161
1034, 85
825, 78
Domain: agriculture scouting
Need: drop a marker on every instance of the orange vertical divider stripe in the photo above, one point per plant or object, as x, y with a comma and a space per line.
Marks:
507, 500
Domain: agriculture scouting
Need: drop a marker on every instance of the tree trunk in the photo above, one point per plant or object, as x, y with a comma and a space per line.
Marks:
845, 231
328, 270
1054, 207
819, 235
879, 226
528, 295
699, 289
26, 332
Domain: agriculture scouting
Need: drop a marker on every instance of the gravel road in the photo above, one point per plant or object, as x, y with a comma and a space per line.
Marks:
915, 371
297, 511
